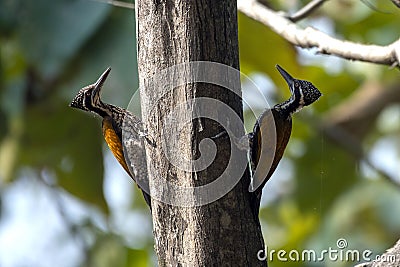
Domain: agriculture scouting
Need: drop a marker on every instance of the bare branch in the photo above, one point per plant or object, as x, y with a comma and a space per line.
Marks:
117, 3
371, 6
306, 10
396, 2
310, 37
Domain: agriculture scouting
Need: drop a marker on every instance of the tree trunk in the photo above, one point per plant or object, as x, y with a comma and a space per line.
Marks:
190, 228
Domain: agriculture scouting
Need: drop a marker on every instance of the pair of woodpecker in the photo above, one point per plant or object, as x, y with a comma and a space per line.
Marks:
303, 93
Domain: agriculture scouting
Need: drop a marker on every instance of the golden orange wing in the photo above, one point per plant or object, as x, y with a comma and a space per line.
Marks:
114, 142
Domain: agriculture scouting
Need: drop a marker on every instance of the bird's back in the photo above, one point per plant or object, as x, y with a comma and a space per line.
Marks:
270, 136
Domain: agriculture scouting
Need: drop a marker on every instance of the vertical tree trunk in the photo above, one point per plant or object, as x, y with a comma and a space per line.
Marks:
194, 232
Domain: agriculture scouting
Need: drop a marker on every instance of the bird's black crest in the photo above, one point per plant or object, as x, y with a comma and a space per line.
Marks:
308, 91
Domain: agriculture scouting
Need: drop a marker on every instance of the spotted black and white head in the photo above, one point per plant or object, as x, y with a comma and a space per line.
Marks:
303, 93
88, 98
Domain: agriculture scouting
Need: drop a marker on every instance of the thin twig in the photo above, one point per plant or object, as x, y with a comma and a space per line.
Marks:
396, 2
371, 6
306, 10
117, 3
312, 38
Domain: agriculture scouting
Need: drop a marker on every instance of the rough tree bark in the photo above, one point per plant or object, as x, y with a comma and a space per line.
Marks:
225, 232
391, 258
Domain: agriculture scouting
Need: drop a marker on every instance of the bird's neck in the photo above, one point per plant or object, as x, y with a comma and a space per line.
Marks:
116, 113
290, 106
100, 108
107, 110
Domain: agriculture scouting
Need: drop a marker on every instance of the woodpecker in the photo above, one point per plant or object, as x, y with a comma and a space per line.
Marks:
117, 120
303, 93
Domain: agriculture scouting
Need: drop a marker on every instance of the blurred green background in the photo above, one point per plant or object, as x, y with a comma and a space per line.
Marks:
65, 201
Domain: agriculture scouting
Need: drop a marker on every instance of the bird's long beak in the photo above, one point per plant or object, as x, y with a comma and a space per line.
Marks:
288, 78
101, 80
99, 84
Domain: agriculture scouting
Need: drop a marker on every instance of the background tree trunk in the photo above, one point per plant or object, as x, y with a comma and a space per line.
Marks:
225, 232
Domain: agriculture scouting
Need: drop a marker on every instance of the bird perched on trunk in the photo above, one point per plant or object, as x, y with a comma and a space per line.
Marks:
122, 131
267, 143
